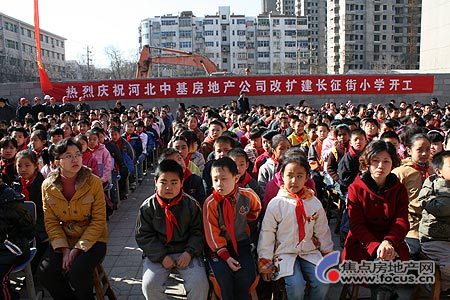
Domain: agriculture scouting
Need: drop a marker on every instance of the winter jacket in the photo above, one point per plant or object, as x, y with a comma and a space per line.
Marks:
246, 206
151, 229
8, 171
104, 162
193, 186
348, 169
90, 162
135, 142
198, 159
35, 192
333, 159
412, 179
80, 222
260, 160
279, 237
207, 179
117, 157
266, 173
16, 223
274, 186
375, 215
434, 198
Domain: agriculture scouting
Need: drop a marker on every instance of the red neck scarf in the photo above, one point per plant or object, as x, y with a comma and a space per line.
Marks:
5, 163
23, 147
86, 155
244, 180
93, 149
170, 218
352, 151
228, 214
187, 174
26, 184
128, 136
276, 161
423, 170
300, 210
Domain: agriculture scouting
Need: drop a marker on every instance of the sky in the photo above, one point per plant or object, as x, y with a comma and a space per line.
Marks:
99, 24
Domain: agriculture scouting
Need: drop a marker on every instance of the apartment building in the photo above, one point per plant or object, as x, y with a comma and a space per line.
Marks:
268, 6
435, 38
266, 44
375, 35
18, 51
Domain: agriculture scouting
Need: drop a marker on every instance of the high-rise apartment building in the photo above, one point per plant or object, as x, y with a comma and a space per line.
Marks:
266, 44
380, 35
268, 6
18, 51
316, 12
435, 37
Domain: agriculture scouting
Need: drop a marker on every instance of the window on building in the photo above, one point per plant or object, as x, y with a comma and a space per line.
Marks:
290, 54
241, 44
185, 34
224, 39
290, 44
290, 32
263, 54
263, 43
241, 32
290, 21
185, 45
209, 44
46, 39
168, 22
240, 21
224, 17
224, 60
209, 32
208, 22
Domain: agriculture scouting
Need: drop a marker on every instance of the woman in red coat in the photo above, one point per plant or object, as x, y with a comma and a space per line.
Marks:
377, 208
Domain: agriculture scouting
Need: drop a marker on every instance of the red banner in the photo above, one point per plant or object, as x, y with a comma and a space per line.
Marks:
254, 86
46, 85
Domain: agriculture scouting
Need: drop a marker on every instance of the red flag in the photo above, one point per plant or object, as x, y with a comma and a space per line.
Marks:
46, 85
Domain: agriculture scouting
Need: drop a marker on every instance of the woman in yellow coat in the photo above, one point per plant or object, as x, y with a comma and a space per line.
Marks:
75, 220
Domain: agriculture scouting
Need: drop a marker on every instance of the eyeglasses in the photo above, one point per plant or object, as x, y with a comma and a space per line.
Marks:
71, 157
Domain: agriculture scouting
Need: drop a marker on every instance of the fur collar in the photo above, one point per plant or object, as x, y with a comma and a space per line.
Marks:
83, 175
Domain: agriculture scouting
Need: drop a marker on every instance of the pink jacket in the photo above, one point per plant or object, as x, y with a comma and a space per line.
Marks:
104, 162
274, 185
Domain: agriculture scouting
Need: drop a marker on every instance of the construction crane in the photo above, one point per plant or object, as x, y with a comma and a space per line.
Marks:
184, 58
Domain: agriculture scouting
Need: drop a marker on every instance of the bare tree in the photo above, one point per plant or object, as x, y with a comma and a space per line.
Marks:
121, 68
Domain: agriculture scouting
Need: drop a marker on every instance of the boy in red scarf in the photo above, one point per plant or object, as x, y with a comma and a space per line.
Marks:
169, 232
226, 214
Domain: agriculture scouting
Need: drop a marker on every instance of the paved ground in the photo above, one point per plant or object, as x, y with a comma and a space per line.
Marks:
123, 262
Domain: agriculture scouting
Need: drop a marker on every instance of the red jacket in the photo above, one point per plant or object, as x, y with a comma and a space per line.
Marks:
376, 216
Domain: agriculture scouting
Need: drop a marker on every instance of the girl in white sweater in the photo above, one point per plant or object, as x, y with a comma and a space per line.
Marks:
292, 252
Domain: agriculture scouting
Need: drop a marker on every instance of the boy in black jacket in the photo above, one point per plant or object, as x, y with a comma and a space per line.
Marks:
348, 169
169, 232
